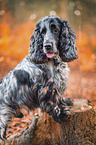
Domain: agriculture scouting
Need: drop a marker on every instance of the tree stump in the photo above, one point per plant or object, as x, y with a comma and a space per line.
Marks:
77, 129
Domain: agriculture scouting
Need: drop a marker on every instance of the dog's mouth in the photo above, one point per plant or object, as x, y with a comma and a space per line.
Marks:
51, 55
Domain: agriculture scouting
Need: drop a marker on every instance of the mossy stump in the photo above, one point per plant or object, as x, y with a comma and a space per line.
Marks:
77, 129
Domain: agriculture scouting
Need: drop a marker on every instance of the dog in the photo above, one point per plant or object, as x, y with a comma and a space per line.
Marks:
40, 79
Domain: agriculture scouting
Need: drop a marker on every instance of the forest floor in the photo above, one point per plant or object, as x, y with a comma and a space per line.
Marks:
81, 85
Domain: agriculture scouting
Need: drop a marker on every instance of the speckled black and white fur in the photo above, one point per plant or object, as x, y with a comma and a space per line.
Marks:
40, 79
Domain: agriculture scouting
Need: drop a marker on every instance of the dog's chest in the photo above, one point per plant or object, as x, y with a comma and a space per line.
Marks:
59, 74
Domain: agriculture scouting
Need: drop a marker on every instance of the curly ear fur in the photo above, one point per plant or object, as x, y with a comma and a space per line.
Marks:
36, 47
67, 47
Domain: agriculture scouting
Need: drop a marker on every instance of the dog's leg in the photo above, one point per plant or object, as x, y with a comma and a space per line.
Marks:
2, 131
5, 117
53, 106
6, 114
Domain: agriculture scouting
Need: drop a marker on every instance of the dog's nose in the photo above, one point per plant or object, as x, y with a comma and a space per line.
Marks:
48, 46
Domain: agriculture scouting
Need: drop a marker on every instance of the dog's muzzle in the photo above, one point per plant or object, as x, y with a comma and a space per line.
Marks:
48, 46
48, 49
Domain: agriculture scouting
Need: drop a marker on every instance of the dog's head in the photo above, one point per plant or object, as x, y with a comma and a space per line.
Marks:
52, 37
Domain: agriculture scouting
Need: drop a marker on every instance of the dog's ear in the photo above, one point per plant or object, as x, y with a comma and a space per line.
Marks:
36, 47
67, 47
33, 44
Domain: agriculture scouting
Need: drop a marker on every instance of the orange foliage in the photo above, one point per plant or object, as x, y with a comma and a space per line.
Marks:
93, 41
15, 39
86, 55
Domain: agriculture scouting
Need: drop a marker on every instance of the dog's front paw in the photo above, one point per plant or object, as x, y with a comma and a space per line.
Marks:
66, 101
60, 113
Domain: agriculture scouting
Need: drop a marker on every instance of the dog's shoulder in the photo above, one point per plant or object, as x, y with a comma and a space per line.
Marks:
26, 70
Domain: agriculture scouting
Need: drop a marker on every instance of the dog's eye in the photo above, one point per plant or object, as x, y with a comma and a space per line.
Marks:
54, 29
43, 31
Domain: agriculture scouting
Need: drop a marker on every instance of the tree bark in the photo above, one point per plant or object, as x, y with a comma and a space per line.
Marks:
77, 129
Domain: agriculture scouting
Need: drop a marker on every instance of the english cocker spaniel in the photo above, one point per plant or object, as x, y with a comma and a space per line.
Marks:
40, 79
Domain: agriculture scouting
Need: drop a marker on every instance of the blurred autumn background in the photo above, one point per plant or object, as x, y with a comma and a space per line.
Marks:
17, 23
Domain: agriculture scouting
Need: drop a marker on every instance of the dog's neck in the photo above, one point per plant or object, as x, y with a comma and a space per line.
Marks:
52, 64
